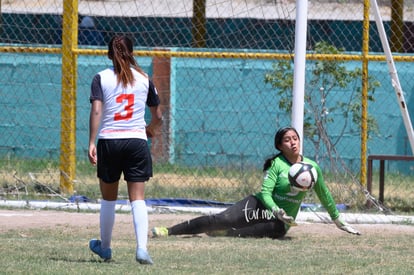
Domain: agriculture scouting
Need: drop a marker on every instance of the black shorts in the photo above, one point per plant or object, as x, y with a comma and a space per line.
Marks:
130, 156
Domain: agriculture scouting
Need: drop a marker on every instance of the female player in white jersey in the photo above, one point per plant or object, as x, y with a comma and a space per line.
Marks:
118, 98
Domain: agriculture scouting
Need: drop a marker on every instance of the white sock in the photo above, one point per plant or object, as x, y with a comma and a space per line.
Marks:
107, 220
140, 219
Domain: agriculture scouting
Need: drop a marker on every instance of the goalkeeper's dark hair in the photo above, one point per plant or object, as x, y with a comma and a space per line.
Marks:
278, 140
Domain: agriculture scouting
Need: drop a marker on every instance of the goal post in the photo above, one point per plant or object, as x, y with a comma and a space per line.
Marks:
299, 67
394, 75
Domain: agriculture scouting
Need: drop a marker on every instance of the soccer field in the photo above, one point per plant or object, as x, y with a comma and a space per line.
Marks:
56, 242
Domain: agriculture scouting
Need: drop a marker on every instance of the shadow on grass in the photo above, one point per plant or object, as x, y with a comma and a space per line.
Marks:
92, 260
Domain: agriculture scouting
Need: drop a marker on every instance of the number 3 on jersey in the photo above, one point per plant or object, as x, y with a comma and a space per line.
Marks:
128, 109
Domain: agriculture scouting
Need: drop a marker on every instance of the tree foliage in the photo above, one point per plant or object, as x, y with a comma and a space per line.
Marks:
333, 95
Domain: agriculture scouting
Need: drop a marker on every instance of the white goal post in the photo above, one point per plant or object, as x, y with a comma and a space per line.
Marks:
394, 75
299, 67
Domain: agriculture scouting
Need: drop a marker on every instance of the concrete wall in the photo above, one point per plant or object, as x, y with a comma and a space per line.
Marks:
221, 111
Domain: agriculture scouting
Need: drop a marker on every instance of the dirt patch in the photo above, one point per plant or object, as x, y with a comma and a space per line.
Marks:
37, 219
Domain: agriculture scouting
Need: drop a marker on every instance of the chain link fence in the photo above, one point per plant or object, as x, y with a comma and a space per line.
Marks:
223, 70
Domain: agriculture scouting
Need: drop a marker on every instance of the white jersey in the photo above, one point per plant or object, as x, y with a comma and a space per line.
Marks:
123, 108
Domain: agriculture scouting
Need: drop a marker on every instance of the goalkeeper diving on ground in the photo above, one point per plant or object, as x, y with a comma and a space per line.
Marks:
272, 211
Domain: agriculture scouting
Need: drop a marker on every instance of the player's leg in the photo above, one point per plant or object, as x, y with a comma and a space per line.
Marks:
140, 220
207, 223
271, 229
194, 226
137, 170
109, 172
241, 214
102, 247
257, 221
109, 193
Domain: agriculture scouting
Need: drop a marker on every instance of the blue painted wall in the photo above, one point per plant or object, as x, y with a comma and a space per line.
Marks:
235, 119
222, 112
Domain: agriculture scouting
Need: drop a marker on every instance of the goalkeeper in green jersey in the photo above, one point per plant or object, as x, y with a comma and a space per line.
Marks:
270, 212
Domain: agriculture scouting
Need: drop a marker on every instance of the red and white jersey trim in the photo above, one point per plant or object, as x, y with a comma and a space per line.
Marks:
123, 108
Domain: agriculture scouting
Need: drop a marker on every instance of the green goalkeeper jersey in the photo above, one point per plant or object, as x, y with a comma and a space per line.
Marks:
276, 190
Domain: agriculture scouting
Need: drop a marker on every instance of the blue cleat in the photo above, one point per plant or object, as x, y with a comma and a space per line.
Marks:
95, 246
143, 257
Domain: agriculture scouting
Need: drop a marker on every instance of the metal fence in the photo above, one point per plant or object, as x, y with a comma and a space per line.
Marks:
210, 61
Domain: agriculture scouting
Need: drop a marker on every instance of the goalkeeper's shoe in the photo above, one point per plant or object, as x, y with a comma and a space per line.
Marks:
159, 232
143, 257
95, 246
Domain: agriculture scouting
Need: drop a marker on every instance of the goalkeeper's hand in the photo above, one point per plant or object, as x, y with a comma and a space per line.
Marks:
345, 227
281, 215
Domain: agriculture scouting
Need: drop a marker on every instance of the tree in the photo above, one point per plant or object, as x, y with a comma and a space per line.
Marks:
331, 88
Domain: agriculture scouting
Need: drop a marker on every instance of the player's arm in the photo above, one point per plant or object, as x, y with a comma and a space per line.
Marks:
329, 204
266, 197
341, 224
266, 192
156, 121
95, 116
94, 121
153, 102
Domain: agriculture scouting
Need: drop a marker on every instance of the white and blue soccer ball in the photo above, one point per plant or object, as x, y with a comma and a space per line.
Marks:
302, 176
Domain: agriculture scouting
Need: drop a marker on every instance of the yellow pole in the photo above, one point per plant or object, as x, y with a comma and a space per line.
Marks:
199, 23
68, 101
364, 109
397, 25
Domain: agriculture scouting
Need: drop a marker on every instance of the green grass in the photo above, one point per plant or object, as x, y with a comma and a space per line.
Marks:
64, 250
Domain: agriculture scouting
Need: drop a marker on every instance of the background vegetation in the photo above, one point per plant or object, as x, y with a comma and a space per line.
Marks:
32, 180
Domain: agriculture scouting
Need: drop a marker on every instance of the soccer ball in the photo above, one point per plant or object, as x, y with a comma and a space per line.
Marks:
302, 175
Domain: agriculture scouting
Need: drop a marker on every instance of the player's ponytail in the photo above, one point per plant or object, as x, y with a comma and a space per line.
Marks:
268, 162
120, 51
